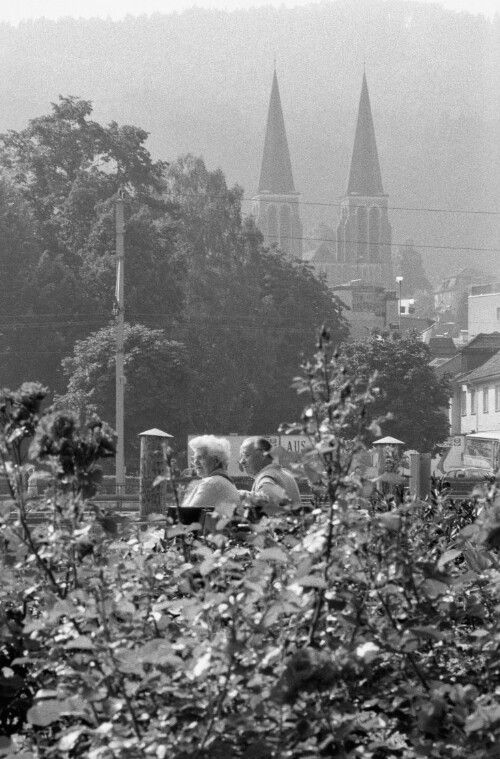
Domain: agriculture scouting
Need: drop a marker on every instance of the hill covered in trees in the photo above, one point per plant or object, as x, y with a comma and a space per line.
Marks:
199, 82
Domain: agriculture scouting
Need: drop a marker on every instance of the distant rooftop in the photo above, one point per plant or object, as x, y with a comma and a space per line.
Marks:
485, 289
490, 368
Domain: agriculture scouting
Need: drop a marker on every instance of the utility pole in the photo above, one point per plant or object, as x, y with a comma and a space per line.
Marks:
120, 322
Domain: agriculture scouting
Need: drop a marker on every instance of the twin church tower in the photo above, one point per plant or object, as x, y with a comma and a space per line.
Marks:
361, 248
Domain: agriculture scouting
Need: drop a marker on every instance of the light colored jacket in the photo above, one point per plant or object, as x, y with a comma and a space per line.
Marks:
211, 491
276, 483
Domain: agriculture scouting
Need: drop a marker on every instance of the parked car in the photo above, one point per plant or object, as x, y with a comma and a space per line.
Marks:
463, 480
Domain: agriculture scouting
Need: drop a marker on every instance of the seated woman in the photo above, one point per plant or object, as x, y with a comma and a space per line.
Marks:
210, 459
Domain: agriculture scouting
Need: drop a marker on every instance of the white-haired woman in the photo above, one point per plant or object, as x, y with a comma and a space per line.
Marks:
210, 457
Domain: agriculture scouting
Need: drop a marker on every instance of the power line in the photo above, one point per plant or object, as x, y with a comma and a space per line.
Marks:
381, 244
335, 205
165, 321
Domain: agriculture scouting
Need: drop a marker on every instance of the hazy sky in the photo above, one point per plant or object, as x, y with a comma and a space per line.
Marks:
13, 12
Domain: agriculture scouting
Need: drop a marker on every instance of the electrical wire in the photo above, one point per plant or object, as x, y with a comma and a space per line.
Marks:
258, 198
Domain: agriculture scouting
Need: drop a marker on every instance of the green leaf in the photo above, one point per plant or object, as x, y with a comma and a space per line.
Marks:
311, 581
435, 589
45, 713
82, 643
426, 631
273, 554
476, 560
448, 556
69, 740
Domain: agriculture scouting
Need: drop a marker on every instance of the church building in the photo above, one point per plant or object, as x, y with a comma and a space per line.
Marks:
361, 250
363, 238
276, 205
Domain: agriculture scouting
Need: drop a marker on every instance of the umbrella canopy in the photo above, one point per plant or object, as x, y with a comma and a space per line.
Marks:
154, 433
388, 441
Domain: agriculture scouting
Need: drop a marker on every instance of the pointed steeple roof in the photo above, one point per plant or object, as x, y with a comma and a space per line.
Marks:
365, 177
276, 170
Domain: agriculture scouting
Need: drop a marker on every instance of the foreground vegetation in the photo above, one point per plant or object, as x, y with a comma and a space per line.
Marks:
350, 629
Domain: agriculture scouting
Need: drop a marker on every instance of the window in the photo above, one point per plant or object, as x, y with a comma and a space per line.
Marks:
486, 400
463, 401
497, 397
473, 402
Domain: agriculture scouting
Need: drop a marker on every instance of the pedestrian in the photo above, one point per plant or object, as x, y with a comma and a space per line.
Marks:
270, 479
210, 457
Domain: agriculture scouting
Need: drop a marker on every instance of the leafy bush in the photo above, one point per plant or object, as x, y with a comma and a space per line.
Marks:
347, 629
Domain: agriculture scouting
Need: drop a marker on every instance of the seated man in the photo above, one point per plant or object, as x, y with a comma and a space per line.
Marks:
270, 479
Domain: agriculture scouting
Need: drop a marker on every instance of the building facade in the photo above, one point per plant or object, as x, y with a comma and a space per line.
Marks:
484, 309
480, 397
473, 371
368, 308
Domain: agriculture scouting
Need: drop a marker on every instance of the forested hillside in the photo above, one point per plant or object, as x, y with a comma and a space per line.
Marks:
199, 82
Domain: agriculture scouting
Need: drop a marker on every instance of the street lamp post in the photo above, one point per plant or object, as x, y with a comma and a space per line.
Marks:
399, 280
120, 325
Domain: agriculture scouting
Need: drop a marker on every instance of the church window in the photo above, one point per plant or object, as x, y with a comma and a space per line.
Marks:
362, 236
286, 242
374, 233
341, 243
272, 225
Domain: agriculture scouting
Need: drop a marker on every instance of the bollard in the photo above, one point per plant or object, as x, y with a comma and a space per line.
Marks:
420, 475
153, 499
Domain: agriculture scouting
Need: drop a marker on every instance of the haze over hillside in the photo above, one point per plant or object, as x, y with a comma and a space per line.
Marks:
199, 82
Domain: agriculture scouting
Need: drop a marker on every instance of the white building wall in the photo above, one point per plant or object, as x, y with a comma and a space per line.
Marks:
482, 420
484, 314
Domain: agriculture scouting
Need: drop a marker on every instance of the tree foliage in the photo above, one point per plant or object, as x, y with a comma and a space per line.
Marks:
410, 266
347, 630
409, 391
64, 170
151, 361
194, 269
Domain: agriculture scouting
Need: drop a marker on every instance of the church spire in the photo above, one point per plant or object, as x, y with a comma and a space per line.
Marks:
276, 206
365, 177
276, 171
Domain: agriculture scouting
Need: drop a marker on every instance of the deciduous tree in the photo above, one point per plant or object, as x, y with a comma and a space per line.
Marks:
156, 377
408, 388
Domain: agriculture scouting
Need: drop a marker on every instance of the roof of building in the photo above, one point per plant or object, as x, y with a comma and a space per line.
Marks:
491, 288
365, 177
442, 346
484, 340
490, 368
451, 365
360, 284
439, 361
464, 276
276, 171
